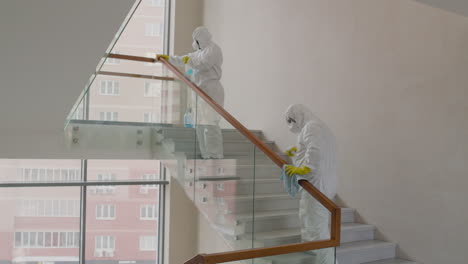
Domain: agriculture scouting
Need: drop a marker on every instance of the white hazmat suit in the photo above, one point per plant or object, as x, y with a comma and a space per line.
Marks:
316, 150
206, 62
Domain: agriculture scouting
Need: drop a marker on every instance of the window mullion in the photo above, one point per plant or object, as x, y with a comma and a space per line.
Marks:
82, 245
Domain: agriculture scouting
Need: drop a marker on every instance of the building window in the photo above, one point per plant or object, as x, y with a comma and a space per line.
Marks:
148, 117
148, 212
152, 89
220, 186
104, 246
50, 175
155, 3
109, 87
109, 116
105, 211
148, 177
148, 243
104, 189
153, 29
49, 208
40, 239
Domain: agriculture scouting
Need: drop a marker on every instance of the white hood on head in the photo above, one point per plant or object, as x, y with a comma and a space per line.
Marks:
203, 36
300, 114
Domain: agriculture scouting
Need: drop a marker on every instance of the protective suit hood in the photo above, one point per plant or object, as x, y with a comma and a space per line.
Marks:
203, 36
297, 116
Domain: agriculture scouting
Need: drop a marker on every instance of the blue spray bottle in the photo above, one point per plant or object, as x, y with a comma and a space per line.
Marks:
188, 120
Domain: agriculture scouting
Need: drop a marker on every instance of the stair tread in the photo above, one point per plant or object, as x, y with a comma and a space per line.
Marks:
358, 245
259, 196
392, 261
280, 233
276, 213
265, 214
289, 232
290, 258
260, 180
356, 226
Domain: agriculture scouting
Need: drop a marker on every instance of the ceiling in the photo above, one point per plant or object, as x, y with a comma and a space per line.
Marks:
456, 6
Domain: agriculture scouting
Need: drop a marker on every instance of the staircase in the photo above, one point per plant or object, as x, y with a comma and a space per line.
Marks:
240, 195
227, 203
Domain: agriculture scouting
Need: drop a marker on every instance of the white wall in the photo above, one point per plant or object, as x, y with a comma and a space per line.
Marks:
389, 77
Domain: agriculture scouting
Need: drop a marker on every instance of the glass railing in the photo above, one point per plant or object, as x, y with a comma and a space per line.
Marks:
223, 169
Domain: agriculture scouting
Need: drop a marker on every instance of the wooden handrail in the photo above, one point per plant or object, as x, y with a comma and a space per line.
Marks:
335, 211
134, 75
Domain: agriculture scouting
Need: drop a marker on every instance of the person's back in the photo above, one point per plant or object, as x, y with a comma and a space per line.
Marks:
313, 160
208, 62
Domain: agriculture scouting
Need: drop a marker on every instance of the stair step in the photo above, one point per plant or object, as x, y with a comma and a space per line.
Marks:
347, 215
294, 258
263, 202
351, 232
259, 185
365, 251
392, 261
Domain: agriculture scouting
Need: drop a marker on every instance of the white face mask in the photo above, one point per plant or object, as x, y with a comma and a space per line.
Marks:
195, 45
293, 126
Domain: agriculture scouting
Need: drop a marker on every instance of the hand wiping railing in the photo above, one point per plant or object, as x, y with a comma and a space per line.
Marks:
233, 192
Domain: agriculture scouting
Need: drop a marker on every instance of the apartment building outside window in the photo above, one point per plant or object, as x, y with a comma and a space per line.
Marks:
49, 174
110, 87
148, 243
148, 177
104, 246
156, 3
152, 89
109, 116
148, 117
153, 29
49, 208
46, 216
47, 239
104, 189
105, 212
148, 212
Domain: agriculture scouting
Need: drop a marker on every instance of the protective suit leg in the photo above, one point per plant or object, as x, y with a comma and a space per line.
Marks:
210, 140
315, 225
207, 124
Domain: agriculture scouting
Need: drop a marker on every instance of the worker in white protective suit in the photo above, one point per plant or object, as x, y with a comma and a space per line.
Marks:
205, 67
313, 160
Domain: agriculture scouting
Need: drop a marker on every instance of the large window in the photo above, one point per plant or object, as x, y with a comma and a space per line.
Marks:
54, 204
130, 99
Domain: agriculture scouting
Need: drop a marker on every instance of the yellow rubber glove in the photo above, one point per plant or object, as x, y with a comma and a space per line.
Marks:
290, 152
185, 59
291, 170
164, 56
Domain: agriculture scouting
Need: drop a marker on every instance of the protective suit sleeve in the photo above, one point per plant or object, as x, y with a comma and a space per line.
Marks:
206, 59
179, 60
310, 140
